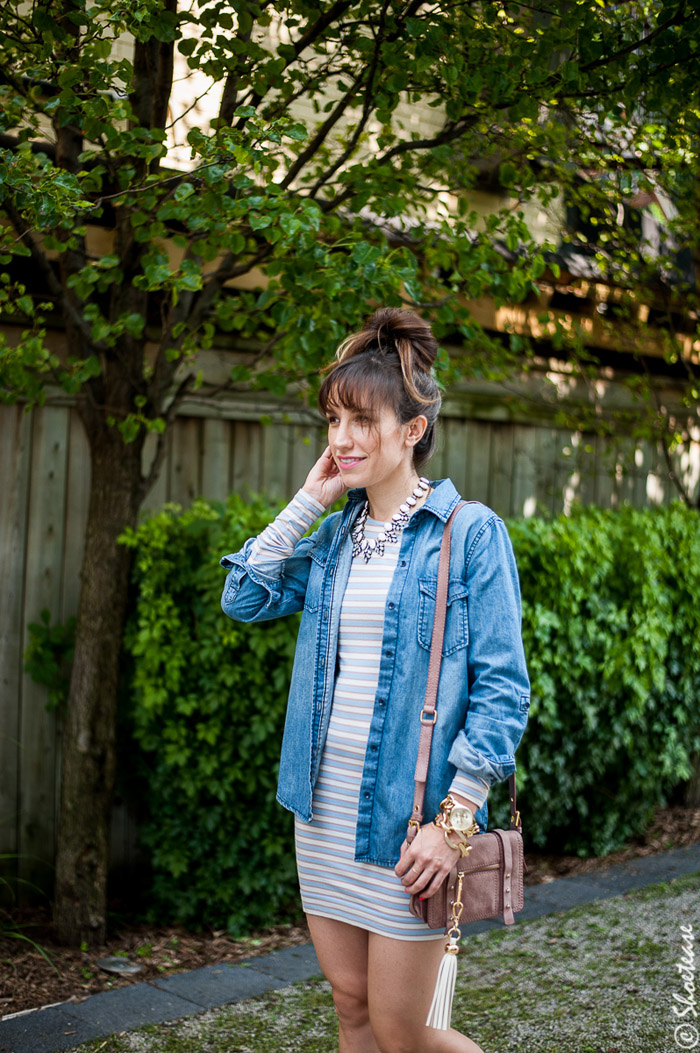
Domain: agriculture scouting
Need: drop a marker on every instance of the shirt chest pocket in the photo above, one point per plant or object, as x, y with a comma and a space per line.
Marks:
456, 622
317, 570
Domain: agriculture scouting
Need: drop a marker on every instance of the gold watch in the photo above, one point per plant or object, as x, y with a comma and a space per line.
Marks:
457, 818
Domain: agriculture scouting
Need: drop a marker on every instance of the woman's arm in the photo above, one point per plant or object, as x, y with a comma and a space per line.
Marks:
499, 687
267, 578
499, 696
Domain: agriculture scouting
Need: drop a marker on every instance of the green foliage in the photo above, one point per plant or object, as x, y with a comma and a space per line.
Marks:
612, 636
611, 627
206, 711
49, 656
310, 154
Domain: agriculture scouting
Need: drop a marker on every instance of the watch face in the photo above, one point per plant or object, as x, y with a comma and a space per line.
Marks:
461, 818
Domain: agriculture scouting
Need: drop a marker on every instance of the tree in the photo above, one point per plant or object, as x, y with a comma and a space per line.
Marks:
310, 176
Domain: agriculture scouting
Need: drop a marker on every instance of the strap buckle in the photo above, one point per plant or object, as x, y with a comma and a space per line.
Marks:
424, 719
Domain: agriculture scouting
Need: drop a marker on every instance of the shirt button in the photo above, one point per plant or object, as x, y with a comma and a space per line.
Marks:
388, 653
374, 749
403, 562
367, 795
380, 701
325, 614
391, 606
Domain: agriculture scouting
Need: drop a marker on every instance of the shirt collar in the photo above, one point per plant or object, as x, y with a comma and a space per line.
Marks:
440, 502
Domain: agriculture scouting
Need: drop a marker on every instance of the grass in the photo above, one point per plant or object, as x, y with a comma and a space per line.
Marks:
595, 979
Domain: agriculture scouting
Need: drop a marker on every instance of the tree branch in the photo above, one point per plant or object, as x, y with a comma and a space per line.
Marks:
322, 133
449, 133
312, 34
677, 19
366, 110
55, 287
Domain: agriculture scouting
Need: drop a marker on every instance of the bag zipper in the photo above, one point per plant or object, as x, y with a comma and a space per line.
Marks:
475, 870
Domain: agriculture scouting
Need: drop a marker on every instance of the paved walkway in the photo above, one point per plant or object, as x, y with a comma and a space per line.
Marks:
171, 997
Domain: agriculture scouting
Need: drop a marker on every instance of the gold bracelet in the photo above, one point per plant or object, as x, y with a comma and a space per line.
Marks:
462, 846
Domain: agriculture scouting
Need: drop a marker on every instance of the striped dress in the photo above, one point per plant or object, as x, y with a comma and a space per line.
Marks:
332, 883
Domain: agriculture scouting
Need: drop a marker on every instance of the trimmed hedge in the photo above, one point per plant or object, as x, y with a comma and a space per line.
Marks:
206, 708
611, 625
612, 636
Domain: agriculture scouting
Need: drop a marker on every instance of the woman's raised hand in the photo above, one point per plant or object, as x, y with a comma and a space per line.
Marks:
324, 481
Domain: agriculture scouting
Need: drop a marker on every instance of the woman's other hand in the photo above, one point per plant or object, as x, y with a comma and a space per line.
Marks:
426, 862
324, 482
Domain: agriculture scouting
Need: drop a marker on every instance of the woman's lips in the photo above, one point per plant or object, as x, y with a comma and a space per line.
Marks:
348, 462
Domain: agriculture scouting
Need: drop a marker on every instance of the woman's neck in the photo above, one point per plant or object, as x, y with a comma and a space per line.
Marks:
385, 498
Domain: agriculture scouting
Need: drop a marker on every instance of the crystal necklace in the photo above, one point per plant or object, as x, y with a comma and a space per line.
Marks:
369, 547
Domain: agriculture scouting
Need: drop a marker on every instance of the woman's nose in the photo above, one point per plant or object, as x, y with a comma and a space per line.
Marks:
342, 435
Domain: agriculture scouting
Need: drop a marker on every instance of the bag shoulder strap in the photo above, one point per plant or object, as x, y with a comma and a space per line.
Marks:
428, 716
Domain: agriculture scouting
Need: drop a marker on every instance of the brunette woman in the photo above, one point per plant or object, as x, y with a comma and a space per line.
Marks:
366, 583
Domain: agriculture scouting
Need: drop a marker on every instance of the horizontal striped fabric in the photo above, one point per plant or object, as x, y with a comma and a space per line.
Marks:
332, 883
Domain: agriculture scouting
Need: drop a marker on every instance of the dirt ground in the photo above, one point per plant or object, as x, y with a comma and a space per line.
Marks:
30, 979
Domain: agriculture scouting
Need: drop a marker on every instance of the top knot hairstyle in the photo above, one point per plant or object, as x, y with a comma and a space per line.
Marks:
388, 363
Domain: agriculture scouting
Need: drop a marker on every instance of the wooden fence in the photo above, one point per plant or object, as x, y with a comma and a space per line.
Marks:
518, 467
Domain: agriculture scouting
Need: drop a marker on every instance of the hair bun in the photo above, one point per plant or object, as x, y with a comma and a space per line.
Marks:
403, 331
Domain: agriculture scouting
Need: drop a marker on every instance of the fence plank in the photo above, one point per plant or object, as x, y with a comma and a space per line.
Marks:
158, 494
216, 459
501, 476
275, 458
43, 581
548, 495
77, 499
184, 482
479, 461
246, 473
15, 453
308, 444
525, 475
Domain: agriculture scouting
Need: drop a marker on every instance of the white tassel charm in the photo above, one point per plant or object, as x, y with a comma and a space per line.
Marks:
440, 1015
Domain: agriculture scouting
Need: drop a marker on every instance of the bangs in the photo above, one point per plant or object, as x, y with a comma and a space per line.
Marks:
362, 384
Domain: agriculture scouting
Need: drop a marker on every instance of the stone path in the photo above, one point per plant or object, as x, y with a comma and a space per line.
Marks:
65, 1026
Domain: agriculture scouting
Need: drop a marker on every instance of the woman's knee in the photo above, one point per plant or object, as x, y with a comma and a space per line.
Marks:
399, 1041
351, 1005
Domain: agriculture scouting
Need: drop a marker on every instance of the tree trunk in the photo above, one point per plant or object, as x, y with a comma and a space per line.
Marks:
88, 761
692, 790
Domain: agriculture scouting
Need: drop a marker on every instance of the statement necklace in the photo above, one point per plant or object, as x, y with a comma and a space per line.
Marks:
369, 547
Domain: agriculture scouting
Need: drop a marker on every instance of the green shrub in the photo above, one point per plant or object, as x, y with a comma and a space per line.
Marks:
206, 712
611, 626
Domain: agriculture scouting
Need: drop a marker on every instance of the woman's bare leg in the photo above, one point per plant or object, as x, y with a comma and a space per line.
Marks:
342, 955
401, 981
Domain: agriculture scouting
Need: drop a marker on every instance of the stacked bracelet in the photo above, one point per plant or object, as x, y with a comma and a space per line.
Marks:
456, 819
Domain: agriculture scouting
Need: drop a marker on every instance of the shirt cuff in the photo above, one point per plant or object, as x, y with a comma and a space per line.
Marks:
278, 540
475, 790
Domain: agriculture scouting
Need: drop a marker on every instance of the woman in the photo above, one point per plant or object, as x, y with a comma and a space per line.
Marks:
366, 582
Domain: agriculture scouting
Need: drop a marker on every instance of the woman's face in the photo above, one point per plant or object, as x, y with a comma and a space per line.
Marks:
372, 450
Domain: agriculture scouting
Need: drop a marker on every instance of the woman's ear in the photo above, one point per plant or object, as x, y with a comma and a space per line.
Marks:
416, 430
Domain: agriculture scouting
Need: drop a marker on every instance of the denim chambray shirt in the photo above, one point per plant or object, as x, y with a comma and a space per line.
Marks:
484, 691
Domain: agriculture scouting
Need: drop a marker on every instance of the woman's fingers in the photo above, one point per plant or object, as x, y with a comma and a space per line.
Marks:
425, 863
